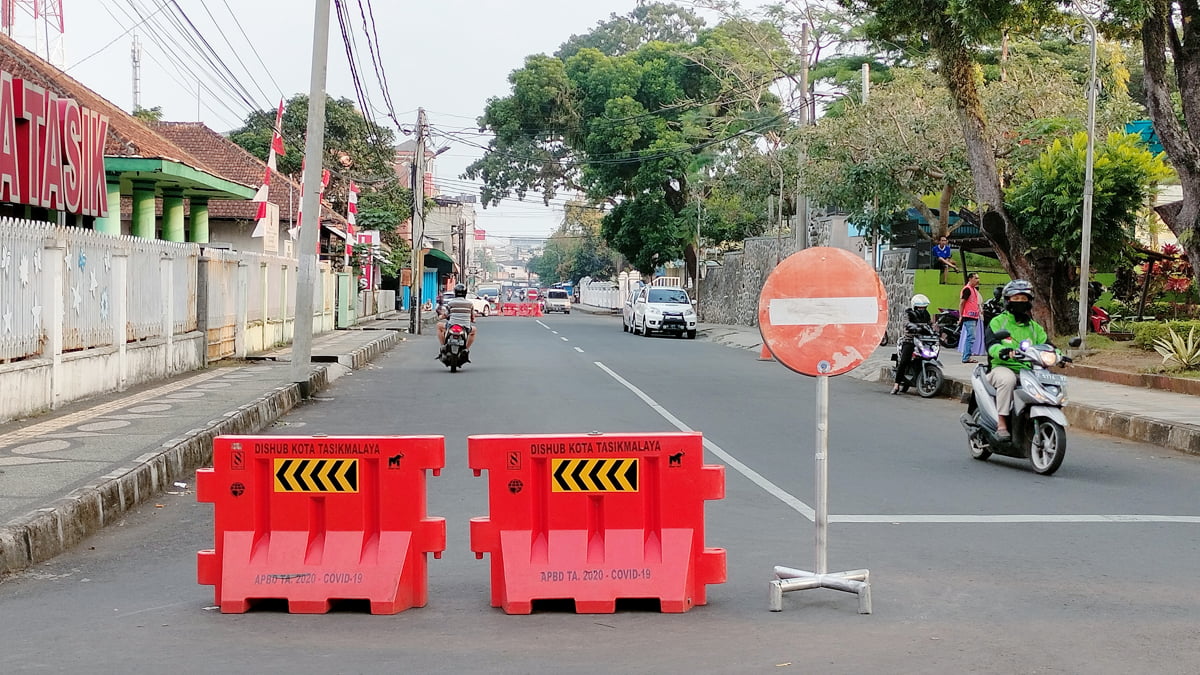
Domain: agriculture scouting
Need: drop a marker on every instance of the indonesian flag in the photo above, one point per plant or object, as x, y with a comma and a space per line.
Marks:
351, 217
261, 197
325, 176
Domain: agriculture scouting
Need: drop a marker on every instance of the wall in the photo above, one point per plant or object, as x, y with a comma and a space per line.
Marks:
729, 293
898, 282
83, 313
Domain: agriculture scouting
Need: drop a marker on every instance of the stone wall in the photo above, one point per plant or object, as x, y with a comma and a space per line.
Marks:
898, 281
729, 293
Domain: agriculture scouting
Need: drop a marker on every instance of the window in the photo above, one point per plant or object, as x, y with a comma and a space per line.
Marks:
672, 296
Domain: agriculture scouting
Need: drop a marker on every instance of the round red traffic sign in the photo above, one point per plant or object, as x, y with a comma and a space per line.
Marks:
822, 311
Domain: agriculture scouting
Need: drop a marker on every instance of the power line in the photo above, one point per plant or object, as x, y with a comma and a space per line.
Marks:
125, 32
252, 47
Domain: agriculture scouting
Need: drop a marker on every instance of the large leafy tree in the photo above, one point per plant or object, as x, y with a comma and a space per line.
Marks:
626, 129
956, 34
624, 33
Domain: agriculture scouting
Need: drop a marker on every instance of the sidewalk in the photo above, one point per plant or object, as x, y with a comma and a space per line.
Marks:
68, 473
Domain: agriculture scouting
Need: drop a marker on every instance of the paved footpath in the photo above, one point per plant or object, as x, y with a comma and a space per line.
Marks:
1152, 416
67, 473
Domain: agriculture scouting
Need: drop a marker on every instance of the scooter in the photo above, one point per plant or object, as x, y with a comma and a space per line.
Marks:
1098, 318
454, 353
1037, 425
994, 307
924, 369
948, 326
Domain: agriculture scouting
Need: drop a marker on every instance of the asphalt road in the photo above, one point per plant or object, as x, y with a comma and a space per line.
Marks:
975, 567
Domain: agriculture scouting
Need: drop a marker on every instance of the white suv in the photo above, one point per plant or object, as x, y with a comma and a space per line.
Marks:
557, 300
664, 308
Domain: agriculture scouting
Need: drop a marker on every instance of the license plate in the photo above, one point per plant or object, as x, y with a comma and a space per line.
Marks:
1051, 378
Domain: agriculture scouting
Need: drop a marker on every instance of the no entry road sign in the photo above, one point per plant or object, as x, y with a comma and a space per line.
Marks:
822, 311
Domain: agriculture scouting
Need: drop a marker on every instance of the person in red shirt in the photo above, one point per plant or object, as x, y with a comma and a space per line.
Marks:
969, 313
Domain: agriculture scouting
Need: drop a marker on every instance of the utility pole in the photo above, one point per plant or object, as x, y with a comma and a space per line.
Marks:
135, 57
462, 250
310, 223
801, 230
418, 218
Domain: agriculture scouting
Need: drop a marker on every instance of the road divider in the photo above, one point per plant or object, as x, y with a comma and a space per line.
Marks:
314, 519
595, 518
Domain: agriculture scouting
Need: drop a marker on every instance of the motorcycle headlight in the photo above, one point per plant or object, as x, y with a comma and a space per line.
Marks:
1049, 358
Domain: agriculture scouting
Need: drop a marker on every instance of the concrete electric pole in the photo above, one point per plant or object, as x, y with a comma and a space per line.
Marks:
310, 222
418, 219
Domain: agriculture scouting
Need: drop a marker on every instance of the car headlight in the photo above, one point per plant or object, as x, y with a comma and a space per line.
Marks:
689, 312
654, 311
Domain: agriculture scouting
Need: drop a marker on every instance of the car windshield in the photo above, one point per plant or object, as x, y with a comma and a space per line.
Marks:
557, 295
673, 296
488, 291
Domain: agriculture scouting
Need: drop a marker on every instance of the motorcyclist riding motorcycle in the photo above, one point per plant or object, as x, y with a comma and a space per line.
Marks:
458, 310
918, 314
1018, 321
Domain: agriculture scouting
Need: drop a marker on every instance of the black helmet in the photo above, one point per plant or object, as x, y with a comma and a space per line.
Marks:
460, 291
1018, 286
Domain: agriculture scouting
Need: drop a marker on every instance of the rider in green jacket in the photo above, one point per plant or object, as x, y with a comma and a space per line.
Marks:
1018, 321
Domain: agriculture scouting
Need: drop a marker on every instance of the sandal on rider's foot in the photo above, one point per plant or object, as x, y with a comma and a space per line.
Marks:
895, 389
1003, 435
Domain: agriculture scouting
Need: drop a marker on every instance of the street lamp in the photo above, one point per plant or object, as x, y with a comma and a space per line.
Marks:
1085, 256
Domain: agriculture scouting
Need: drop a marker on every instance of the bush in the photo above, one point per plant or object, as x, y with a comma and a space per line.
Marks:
1146, 333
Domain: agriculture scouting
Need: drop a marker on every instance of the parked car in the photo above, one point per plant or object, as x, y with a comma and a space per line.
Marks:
666, 309
627, 311
558, 300
482, 306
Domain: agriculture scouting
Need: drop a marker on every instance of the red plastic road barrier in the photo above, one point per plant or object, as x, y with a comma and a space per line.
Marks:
315, 519
595, 518
508, 309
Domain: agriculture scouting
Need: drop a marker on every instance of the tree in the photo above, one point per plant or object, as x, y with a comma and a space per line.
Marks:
622, 34
1169, 33
1044, 201
154, 114
351, 140
956, 33
625, 130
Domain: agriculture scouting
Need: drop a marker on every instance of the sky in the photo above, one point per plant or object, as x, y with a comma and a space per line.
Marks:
447, 56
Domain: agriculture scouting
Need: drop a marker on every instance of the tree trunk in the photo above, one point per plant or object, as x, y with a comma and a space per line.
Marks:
1158, 34
958, 69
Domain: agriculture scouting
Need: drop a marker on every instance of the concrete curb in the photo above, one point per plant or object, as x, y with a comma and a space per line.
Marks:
49, 531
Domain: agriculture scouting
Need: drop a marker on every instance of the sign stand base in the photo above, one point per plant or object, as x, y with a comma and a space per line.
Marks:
788, 579
854, 581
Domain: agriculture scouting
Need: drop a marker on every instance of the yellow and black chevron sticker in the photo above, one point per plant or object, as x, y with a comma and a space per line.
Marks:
594, 475
316, 475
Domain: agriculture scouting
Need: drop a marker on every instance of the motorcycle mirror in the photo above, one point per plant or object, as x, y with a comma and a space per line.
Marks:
997, 292
1076, 341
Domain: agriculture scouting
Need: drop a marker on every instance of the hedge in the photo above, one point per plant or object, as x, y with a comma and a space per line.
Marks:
1146, 332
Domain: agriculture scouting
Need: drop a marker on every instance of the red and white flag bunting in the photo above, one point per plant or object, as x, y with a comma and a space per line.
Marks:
325, 176
262, 196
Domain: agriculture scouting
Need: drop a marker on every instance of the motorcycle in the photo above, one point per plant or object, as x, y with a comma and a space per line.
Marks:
1036, 424
994, 307
1098, 318
948, 327
924, 370
454, 353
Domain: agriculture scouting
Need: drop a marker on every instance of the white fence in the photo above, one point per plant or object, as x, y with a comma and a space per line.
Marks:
83, 313
599, 293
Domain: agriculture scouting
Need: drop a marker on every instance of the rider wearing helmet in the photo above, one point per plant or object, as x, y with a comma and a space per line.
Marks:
917, 320
458, 310
1017, 320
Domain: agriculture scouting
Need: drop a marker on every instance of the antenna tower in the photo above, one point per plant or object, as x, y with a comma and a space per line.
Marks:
135, 55
38, 26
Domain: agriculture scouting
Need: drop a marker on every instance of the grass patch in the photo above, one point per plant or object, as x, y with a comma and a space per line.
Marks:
1094, 341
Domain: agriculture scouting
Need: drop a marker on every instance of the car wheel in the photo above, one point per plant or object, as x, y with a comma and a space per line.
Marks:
691, 335
624, 326
645, 329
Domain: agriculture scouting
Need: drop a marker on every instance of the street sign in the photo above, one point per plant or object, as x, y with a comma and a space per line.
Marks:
822, 311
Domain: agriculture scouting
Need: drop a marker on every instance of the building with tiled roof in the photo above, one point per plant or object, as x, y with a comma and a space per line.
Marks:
139, 164
234, 222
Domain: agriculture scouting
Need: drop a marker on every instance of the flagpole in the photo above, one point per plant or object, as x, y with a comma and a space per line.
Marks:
310, 222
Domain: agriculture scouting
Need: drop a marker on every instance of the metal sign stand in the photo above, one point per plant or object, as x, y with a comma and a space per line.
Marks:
788, 579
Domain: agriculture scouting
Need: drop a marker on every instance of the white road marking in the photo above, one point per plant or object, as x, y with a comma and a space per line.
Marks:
579, 350
564, 339
543, 325
754, 476
555, 332
822, 311
897, 519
